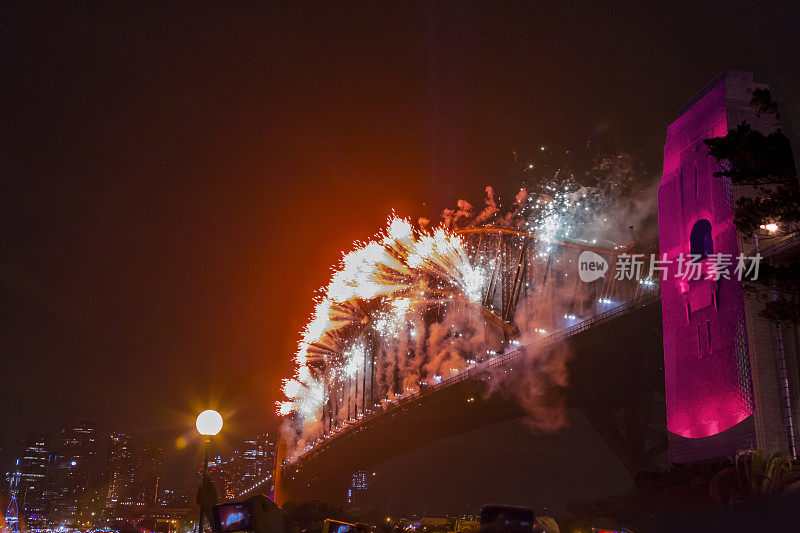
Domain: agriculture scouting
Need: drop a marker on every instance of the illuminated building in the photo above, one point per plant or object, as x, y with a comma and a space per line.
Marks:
254, 462
175, 497
131, 478
72, 464
120, 470
219, 472
727, 383
30, 480
149, 460
249, 469
359, 487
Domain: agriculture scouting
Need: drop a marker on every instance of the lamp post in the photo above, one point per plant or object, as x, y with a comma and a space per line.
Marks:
208, 424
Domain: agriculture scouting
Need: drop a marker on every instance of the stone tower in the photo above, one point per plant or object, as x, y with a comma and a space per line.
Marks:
730, 383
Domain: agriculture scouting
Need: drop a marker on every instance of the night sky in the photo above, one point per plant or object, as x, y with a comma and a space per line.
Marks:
176, 181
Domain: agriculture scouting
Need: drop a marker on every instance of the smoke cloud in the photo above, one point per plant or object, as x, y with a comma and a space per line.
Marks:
539, 385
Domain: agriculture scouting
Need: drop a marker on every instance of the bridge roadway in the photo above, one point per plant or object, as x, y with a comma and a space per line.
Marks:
616, 380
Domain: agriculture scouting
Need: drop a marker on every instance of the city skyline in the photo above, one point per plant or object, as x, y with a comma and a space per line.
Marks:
69, 479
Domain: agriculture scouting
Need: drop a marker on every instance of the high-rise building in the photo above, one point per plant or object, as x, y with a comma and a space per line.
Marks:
72, 466
149, 460
220, 472
175, 497
359, 488
731, 375
131, 476
248, 469
120, 470
255, 462
31, 480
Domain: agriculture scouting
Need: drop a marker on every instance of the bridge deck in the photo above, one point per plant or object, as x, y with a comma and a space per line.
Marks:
491, 363
615, 379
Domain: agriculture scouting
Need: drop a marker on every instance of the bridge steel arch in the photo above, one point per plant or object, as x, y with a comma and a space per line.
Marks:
523, 270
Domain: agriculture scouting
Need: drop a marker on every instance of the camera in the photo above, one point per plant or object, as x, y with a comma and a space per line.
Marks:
335, 526
233, 517
257, 514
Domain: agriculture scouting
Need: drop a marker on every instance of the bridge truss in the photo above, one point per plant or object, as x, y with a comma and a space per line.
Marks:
530, 282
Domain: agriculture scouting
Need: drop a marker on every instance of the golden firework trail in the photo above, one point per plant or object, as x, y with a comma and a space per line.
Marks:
376, 286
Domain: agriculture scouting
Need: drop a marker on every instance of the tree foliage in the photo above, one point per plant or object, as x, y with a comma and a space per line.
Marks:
748, 157
762, 169
762, 102
754, 478
765, 163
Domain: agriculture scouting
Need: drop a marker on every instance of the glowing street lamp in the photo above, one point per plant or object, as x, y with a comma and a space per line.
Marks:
208, 424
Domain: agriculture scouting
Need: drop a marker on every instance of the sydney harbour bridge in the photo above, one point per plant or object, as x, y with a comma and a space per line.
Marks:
610, 327
593, 347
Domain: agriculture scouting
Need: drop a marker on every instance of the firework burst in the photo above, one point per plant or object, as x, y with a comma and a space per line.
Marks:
376, 286
413, 305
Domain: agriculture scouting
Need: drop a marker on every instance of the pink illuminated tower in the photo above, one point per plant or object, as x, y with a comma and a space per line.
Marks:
727, 383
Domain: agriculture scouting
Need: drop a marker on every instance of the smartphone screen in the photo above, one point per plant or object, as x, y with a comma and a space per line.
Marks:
233, 517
